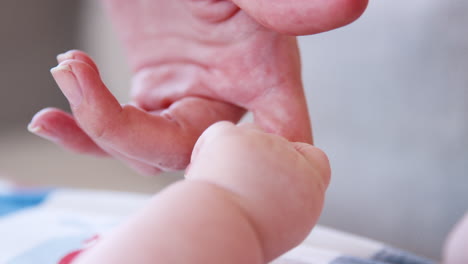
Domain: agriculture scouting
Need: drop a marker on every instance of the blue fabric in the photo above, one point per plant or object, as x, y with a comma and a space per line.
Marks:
386, 256
395, 256
354, 260
19, 200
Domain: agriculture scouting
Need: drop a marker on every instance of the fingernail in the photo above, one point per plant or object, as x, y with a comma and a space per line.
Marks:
40, 131
34, 128
66, 80
64, 56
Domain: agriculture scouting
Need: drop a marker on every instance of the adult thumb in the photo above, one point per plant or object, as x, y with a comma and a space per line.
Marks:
303, 17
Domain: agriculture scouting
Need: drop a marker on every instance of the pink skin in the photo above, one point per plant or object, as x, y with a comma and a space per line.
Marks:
248, 197
195, 62
456, 246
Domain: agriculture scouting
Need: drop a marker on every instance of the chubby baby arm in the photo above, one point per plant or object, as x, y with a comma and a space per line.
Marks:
248, 197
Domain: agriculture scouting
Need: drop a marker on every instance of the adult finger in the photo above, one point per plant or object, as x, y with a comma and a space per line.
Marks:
79, 56
303, 17
283, 112
61, 128
164, 141
136, 165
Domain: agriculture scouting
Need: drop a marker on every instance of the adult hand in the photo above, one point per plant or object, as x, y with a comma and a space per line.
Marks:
195, 62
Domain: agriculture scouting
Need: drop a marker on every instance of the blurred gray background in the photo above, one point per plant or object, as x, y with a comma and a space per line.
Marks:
387, 94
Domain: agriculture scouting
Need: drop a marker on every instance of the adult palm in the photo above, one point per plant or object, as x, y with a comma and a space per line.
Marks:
195, 62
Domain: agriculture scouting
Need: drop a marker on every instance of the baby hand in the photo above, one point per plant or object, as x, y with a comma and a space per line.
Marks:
248, 197
280, 185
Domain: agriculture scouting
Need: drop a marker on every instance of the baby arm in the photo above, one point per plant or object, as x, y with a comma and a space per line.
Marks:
248, 197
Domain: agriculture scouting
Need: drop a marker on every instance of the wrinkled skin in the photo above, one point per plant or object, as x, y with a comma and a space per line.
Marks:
195, 62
